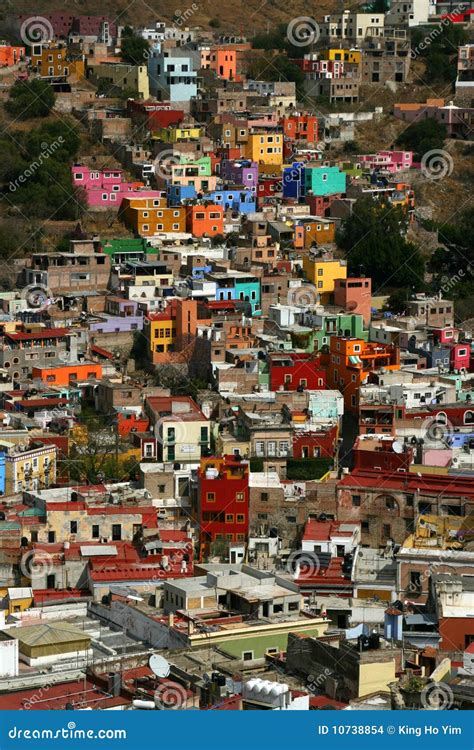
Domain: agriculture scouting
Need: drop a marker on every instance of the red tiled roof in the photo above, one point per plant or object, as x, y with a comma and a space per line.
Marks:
323, 530
102, 352
38, 402
44, 333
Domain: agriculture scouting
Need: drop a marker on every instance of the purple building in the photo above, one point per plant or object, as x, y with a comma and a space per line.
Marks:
242, 172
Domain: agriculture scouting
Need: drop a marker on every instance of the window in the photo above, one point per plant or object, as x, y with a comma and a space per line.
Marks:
73, 527
95, 531
247, 655
240, 518
240, 497
356, 501
116, 532
386, 530
229, 518
365, 526
211, 497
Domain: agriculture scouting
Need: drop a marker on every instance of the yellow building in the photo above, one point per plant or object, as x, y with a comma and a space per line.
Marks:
265, 148
323, 273
344, 55
173, 135
30, 467
122, 76
161, 333
53, 61
18, 599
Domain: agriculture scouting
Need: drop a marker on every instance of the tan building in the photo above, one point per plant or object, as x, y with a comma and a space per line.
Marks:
41, 645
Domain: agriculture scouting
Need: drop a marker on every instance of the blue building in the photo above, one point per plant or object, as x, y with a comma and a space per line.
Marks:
179, 193
242, 201
172, 76
293, 185
238, 286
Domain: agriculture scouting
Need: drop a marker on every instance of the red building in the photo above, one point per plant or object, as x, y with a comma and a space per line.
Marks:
223, 501
129, 422
315, 443
320, 205
298, 128
267, 188
290, 371
154, 115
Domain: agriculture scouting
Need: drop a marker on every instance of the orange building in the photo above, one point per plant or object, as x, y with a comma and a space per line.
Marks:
10, 55
68, 374
223, 60
171, 334
205, 220
350, 362
53, 61
314, 231
147, 216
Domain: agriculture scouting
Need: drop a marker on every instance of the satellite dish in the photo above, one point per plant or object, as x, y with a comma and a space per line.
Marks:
397, 447
159, 665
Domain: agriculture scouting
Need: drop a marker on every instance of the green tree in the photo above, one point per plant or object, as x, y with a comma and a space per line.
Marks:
135, 49
421, 137
30, 99
374, 237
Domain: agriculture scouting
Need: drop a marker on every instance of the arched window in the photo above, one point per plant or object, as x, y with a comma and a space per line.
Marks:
469, 417
441, 418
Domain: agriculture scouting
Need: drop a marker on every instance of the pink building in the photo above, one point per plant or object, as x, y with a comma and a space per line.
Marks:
389, 161
104, 189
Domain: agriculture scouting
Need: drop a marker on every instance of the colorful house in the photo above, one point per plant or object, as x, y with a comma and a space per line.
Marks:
387, 161
10, 55
294, 371
354, 295
352, 360
234, 199
313, 230
205, 220
323, 273
223, 501
323, 180
237, 285
103, 189
241, 172
53, 61
66, 374
30, 467
265, 149
149, 214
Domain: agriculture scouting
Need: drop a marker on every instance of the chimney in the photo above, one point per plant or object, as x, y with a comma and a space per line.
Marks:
170, 620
